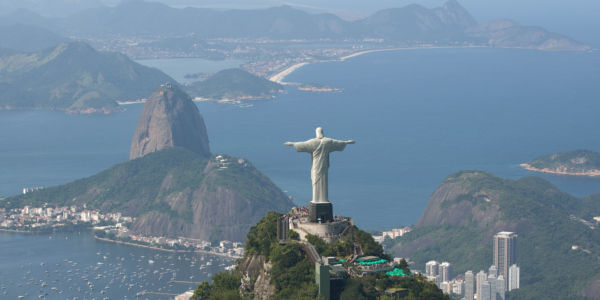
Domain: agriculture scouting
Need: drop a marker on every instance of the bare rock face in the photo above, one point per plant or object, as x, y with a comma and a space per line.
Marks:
169, 119
201, 200
254, 266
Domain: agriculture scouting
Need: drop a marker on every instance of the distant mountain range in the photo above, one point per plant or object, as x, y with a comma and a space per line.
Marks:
28, 38
412, 23
40, 69
73, 77
557, 232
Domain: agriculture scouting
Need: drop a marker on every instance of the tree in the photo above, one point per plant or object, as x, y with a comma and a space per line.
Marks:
203, 291
226, 281
403, 265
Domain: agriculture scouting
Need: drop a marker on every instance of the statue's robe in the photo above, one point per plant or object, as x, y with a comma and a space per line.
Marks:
320, 148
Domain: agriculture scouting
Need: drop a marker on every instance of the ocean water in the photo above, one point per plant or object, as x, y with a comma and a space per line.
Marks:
68, 265
417, 116
177, 68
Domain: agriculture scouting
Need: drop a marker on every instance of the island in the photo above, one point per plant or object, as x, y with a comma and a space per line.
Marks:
232, 85
575, 163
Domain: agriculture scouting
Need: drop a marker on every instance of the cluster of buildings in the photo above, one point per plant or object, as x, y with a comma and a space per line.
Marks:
440, 274
112, 225
39, 218
223, 162
122, 233
503, 276
392, 234
32, 189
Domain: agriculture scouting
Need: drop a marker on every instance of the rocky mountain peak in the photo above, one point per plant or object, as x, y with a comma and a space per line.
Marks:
169, 119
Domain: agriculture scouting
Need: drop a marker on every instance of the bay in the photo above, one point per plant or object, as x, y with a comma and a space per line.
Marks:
417, 116
75, 265
177, 68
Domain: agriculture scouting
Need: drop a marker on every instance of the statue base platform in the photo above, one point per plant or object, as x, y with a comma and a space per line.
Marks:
320, 212
329, 232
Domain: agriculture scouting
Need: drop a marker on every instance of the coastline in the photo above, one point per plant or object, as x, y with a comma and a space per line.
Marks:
279, 77
131, 102
17, 231
528, 167
235, 100
163, 249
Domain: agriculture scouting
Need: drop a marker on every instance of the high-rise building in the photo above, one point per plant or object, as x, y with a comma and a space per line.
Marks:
485, 292
500, 288
458, 287
469, 285
493, 285
444, 271
446, 287
513, 277
431, 268
493, 271
481, 278
505, 251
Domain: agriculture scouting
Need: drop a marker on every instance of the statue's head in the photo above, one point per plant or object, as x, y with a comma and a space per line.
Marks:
319, 132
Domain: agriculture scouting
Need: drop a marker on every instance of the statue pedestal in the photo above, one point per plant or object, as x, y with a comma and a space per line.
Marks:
320, 212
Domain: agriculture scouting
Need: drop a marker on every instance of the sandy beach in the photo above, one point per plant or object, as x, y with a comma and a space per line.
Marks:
560, 171
281, 75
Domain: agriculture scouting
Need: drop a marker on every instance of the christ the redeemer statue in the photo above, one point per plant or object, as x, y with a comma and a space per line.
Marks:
319, 148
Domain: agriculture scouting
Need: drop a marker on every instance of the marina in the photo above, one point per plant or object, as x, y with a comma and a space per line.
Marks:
96, 270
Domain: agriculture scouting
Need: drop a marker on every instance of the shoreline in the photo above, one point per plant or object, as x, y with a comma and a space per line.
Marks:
163, 249
528, 167
280, 76
58, 229
18, 231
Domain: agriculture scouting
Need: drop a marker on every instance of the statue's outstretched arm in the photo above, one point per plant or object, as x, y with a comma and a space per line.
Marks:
289, 143
350, 142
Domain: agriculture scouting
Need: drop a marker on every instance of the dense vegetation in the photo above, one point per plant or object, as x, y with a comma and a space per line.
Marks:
292, 274
224, 286
578, 161
114, 188
549, 222
73, 77
174, 186
233, 84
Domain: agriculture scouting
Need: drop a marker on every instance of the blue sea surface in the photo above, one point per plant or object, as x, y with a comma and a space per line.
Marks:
75, 265
417, 116
178, 68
